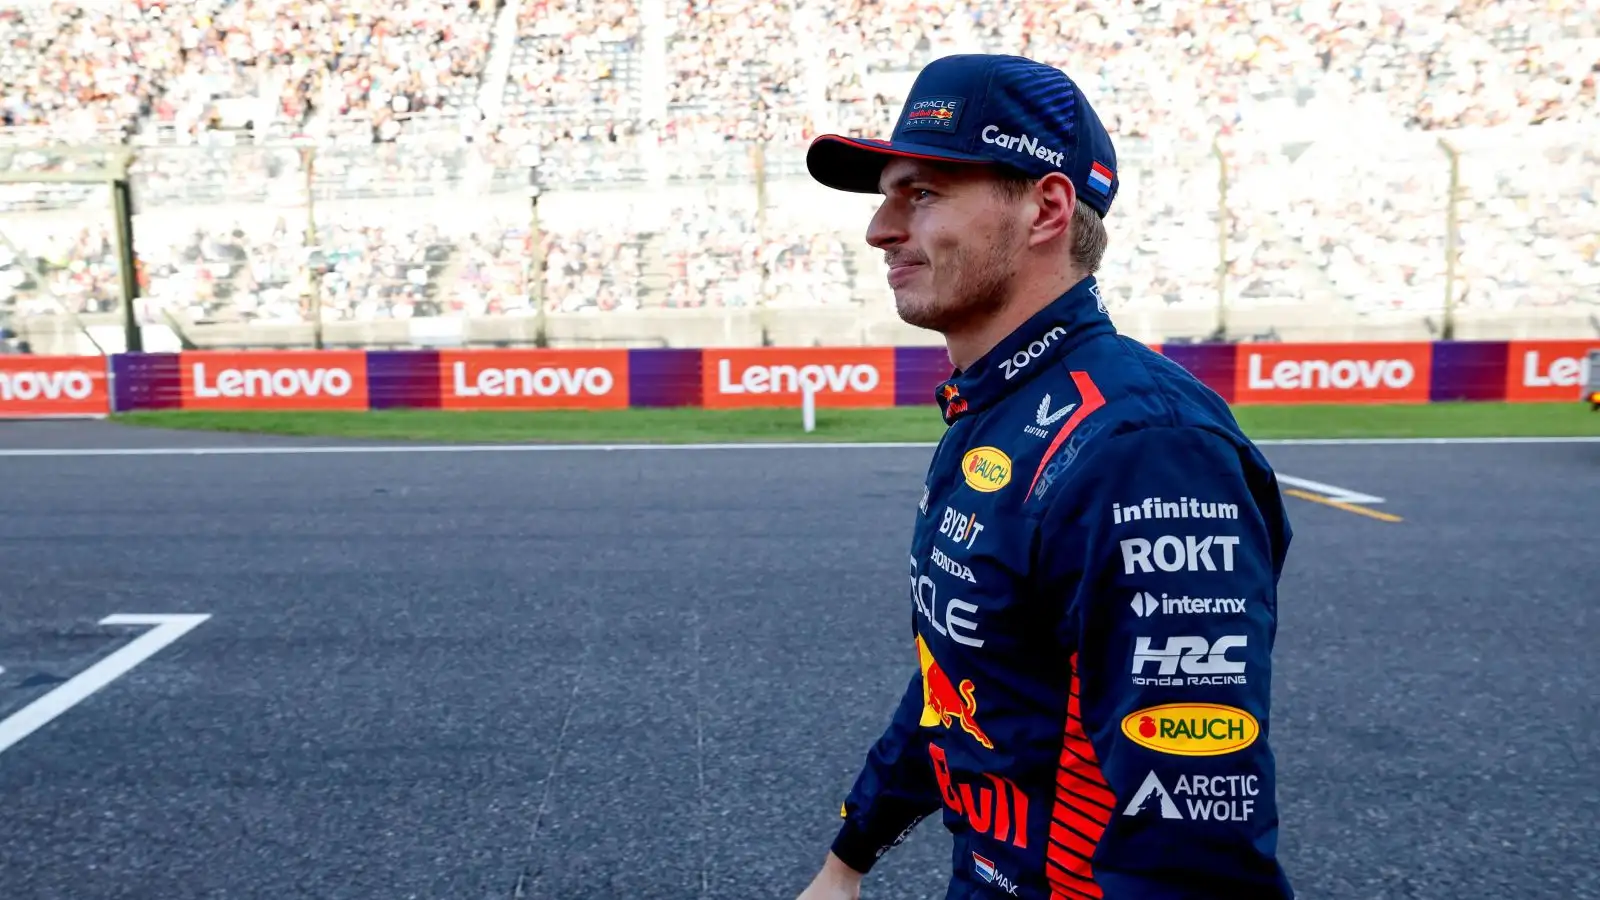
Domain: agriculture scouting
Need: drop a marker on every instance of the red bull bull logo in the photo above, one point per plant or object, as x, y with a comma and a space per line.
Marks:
946, 704
954, 404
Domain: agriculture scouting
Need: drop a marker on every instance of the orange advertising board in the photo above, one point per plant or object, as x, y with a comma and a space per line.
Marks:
1547, 371
1333, 373
533, 379
274, 379
773, 376
33, 386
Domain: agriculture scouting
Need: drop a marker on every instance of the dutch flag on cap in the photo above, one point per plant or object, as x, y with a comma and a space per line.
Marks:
985, 868
1100, 178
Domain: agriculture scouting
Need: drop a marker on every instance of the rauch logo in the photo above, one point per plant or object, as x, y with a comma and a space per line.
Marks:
1191, 729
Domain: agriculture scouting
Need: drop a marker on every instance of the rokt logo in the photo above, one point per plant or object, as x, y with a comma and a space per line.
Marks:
1173, 554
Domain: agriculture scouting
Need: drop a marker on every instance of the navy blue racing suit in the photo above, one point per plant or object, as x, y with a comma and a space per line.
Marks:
1093, 578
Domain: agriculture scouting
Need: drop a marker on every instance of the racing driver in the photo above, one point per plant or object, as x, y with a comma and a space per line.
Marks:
1094, 565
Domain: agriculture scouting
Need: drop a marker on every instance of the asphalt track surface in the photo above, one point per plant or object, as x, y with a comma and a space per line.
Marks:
643, 675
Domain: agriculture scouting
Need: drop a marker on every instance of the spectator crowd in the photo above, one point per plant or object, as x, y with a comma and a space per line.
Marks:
441, 97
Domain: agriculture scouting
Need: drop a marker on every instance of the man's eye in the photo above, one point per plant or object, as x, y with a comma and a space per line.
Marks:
920, 192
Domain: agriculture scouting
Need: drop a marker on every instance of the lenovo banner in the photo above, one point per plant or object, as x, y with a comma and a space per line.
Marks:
1332, 373
42, 386
533, 379
274, 379
1547, 371
773, 376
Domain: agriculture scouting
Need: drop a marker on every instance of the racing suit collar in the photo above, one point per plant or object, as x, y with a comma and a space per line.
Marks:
1067, 321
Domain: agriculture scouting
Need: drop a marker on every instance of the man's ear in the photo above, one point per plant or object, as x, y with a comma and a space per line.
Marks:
1057, 200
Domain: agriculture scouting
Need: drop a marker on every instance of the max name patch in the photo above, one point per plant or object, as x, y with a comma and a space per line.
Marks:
940, 113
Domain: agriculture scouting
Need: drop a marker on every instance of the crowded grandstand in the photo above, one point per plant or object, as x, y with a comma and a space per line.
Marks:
1275, 155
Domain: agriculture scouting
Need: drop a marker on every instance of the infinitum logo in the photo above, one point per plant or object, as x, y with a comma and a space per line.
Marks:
1181, 508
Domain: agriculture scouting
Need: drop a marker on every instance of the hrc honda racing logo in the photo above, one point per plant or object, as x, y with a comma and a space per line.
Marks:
1204, 663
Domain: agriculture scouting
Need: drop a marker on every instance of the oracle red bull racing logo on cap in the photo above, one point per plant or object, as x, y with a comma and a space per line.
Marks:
937, 113
943, 702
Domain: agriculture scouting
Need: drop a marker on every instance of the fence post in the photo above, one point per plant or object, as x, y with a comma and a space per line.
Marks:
127, 261
1448, 328
1222, 238
759, 170
313, 257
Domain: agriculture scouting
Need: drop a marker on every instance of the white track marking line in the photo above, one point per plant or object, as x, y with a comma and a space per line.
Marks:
1379, 442
778, 445
1343, 495
168, 628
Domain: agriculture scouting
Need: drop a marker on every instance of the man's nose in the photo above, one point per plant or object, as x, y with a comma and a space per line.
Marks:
886, 229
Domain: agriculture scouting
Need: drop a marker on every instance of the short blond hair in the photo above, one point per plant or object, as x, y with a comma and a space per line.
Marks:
1088, 237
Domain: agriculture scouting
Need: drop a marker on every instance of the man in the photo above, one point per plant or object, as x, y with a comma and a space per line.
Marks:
1095, 561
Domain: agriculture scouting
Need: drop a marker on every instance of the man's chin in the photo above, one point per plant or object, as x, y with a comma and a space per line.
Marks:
922, 312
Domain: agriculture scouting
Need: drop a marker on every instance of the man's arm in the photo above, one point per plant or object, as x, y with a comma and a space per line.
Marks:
895, 790
1168, 544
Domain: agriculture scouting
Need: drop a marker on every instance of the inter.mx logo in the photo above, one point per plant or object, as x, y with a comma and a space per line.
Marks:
1144, 605
1203, 662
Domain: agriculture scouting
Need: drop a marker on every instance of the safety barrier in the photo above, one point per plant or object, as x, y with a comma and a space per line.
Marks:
39, 386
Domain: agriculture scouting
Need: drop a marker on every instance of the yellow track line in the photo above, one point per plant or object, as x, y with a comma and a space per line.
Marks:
1347, 507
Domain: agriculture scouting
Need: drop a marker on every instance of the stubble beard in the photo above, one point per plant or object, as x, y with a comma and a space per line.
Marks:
972, 285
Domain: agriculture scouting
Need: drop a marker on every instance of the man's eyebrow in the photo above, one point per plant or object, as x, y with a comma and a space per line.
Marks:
905, 181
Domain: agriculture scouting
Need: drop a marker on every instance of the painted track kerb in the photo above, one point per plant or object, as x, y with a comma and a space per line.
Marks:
774, 445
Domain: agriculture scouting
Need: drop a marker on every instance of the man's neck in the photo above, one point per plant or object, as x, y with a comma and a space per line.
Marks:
968, 344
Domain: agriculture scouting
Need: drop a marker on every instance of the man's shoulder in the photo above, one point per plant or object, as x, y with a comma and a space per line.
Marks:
1121, 392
